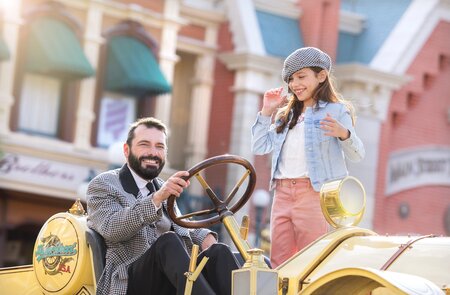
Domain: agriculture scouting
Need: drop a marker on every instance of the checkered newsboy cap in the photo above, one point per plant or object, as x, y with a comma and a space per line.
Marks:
303, 58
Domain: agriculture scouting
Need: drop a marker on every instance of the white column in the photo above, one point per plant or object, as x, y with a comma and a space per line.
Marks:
85, 112
246, 106
11, 26
368, 128
249, 82
167, 55
200, 110
199, 115
254, 74
370, 91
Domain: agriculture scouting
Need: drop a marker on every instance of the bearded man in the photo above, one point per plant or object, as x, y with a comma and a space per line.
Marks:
147, 253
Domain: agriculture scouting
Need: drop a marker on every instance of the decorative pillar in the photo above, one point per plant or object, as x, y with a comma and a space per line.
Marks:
199, 114
167, 55
370, 92
254, 74
85, 113
250, 79
3, 229
246, 106
11, 25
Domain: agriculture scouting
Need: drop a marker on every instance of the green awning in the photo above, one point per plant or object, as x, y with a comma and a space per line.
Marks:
54, 50
4, 51
132, 69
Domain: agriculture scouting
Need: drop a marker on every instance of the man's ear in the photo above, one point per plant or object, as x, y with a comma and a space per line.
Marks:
126, 150
322, 76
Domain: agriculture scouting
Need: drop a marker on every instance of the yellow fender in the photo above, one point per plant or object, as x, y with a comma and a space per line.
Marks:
365, 280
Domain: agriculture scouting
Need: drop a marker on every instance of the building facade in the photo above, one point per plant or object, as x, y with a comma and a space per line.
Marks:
75, 73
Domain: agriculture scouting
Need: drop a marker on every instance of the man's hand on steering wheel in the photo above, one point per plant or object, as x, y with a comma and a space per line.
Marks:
172, 186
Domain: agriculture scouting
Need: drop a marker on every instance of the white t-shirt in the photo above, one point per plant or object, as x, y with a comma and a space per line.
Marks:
292, 162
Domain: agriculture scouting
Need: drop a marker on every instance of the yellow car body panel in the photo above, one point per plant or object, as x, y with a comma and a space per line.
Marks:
370, 281
19, 280
427, 258
296, 269
352, 247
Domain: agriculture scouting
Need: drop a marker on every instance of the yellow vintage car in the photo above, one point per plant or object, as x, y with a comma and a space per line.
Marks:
68, 257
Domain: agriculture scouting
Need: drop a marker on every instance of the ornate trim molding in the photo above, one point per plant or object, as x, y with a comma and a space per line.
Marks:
350, 22
247, 61
370, 90
288, 8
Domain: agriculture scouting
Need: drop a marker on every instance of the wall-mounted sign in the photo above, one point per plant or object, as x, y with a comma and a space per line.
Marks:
412, 168
43, 172
116, 114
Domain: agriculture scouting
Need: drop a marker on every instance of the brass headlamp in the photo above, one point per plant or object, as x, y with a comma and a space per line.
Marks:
343, 201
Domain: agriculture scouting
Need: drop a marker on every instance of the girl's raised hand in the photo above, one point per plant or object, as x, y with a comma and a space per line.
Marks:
333, 128
273, 98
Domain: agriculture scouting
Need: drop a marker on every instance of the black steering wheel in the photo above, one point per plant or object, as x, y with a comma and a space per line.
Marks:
220, 207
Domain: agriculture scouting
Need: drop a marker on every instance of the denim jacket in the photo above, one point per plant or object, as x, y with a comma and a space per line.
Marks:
324, 154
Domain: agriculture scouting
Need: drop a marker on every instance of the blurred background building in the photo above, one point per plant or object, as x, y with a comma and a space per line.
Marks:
75, 73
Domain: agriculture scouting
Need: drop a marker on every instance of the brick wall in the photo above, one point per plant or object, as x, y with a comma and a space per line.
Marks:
418, 117
319, 24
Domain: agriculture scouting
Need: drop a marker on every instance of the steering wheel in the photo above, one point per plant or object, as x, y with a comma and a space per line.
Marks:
220, 207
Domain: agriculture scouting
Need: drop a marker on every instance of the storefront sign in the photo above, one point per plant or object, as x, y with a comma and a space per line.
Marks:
418, 167
43, 172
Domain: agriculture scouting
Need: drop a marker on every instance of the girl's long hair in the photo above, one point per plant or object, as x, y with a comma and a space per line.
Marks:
325, 92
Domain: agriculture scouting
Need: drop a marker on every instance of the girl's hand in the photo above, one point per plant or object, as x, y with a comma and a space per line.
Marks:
272, 100
333, 128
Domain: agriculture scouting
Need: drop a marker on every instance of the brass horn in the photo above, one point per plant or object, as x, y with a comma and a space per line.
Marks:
343, 201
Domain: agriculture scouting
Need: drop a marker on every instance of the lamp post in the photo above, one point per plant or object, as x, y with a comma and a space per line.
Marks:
261, 199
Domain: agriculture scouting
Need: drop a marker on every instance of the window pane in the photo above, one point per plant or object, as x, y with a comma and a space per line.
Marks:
116, 114
39, 105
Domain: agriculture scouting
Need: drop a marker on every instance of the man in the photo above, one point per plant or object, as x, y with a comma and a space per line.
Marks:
146, 252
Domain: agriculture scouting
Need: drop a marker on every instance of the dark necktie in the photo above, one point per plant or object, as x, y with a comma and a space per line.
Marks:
150, 187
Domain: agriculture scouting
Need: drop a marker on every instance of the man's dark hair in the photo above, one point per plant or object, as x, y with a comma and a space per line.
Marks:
149, 122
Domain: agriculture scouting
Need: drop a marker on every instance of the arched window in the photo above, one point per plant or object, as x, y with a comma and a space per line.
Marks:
131, 77
51, 60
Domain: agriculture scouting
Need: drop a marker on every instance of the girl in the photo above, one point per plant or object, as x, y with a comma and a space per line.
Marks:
311, 134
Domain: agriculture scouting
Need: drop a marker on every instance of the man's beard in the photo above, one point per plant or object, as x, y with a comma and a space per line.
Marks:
145, 172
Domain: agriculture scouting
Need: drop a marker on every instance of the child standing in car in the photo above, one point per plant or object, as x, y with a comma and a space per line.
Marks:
312, 134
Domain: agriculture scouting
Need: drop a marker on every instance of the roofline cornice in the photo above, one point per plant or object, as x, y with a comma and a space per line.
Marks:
246, 61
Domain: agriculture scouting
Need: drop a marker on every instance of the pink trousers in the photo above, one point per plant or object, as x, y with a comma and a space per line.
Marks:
296, 218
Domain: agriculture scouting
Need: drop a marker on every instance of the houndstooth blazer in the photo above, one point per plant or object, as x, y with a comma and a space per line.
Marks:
127, 221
